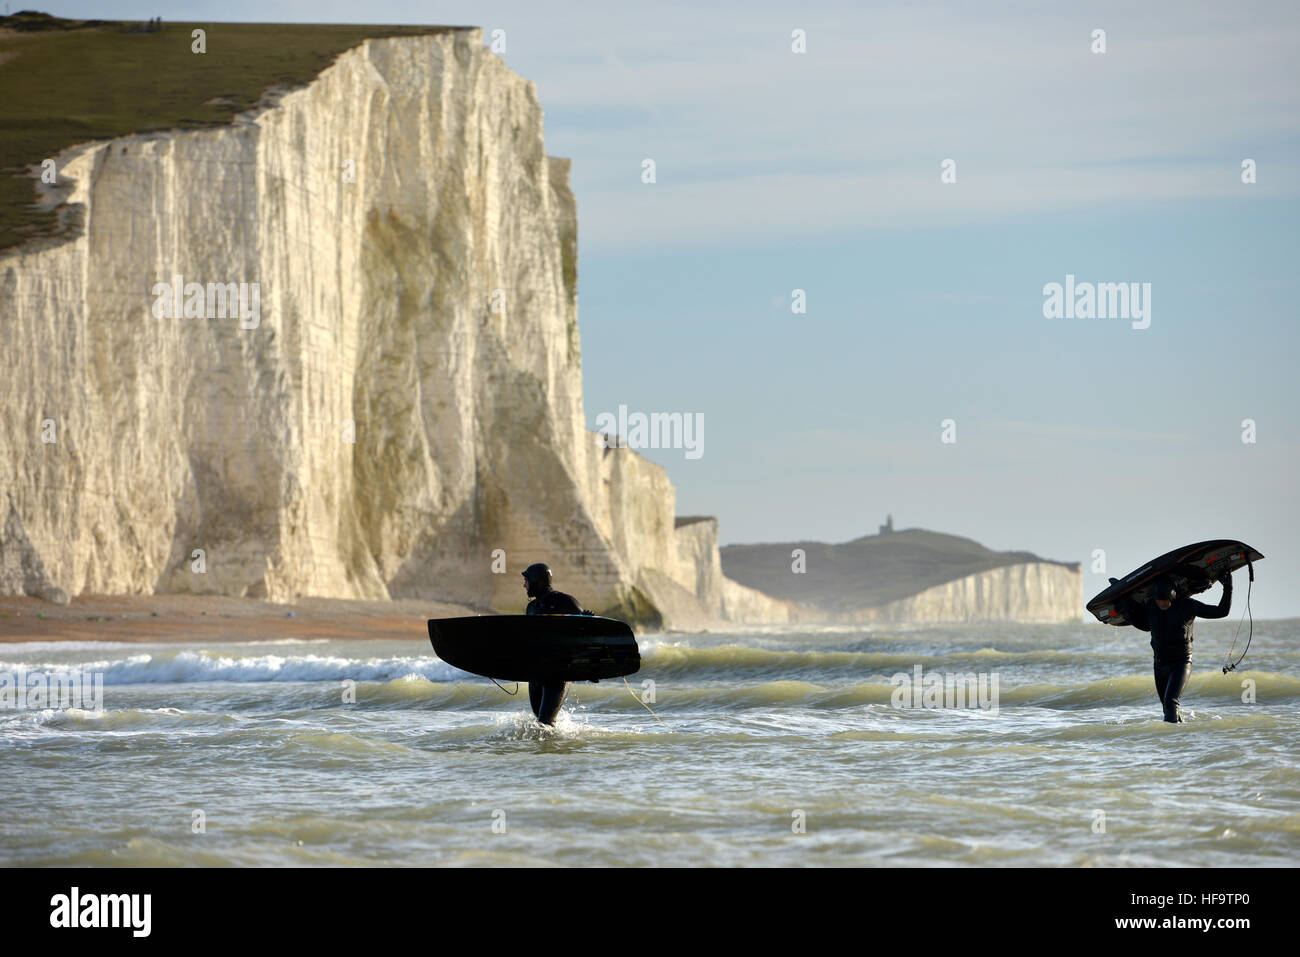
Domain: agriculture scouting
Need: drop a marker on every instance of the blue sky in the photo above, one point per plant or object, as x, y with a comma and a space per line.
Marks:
821, 172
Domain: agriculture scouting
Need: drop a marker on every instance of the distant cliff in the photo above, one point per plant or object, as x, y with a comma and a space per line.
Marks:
1026, 591
394, 407
910, 575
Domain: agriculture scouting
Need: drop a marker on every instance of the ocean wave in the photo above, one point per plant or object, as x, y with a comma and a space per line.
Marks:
684, 659
1268, 687
684, 674
37, 724
1128, 690
183, 667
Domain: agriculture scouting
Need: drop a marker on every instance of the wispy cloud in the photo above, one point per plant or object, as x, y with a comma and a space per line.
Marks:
752, 141
1090, 433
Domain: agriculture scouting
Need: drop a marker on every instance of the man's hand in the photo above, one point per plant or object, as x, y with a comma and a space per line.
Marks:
1226, 578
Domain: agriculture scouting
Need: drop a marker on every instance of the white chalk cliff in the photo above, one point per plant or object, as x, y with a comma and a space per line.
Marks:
400, 417
408, 403
1046, 592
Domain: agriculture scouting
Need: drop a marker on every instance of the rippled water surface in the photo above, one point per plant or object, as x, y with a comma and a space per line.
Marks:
776, 748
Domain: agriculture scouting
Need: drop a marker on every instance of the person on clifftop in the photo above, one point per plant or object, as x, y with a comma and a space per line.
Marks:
547, 696
1168, 617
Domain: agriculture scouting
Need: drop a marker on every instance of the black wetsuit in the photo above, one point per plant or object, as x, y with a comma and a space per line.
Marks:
1171, 640
547, 696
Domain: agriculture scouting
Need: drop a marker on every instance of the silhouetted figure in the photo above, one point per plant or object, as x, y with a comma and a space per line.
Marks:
1168, 617
547, 696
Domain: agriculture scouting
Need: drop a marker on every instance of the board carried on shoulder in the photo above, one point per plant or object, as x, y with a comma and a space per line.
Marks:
537, 647
1192, 569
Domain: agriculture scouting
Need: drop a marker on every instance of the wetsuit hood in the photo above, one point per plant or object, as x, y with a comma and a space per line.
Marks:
1164, 590
538, 578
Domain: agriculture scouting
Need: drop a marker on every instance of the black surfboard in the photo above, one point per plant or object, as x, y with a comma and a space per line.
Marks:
537, 647
1192, 569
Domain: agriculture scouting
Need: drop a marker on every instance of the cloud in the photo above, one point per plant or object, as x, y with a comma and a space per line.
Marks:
753, 142
1091, 433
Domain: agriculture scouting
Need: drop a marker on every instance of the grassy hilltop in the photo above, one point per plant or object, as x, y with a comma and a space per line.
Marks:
64, 82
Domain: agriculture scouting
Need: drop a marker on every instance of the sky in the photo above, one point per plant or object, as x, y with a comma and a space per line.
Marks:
1080, 439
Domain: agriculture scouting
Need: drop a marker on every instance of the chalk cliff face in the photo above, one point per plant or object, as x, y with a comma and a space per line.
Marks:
1032, 592
402, 402
21, 569
395, 408
698, 594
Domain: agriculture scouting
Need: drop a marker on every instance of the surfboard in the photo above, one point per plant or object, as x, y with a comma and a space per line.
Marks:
1192, 569
537, 647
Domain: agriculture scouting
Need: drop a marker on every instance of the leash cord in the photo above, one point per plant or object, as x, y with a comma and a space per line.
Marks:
511, 693
1232, 665
644, 705
625, 685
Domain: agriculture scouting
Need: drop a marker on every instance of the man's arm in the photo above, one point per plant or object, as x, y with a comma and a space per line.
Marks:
1220, 610
1133, 613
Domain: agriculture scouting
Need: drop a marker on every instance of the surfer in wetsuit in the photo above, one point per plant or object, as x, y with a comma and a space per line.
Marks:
1168, 617
547, 696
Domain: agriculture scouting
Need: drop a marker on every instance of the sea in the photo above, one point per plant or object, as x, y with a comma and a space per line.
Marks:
954, 746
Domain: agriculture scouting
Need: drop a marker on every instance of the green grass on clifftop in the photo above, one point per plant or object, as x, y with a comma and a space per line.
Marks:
64, 82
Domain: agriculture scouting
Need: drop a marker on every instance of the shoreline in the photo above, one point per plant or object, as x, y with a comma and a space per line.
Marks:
179, 619
188, 618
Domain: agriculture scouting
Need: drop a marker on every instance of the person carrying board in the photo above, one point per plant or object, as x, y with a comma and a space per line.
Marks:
547, 696
1168, 617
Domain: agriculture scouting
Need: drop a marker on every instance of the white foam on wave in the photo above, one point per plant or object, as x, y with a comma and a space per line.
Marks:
648, 646
188, 667
523, 726
34, 716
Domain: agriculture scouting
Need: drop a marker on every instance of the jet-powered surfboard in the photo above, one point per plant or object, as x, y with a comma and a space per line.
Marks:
537, 647
1192, 569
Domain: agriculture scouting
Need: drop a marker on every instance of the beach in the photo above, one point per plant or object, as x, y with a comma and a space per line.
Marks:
188, 618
